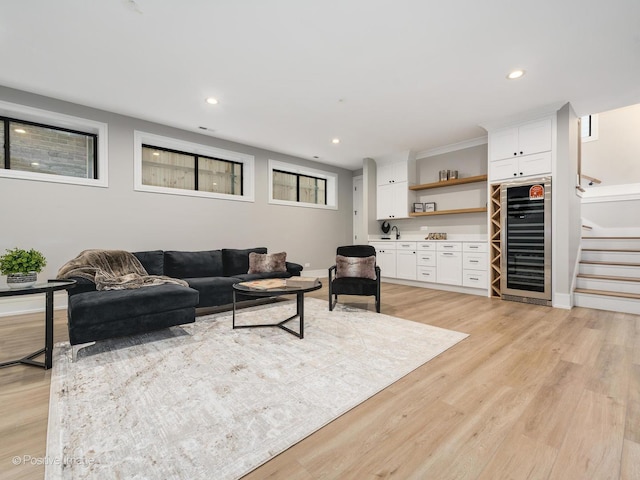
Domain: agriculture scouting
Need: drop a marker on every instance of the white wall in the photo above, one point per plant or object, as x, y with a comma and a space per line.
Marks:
614, 157
61, 220
566, 218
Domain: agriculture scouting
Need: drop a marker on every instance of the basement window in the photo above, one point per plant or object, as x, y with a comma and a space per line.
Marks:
166, 165
299, 186
47, 146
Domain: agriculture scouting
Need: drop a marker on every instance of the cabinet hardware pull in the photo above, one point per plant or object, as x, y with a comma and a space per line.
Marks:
474, 278
473, 261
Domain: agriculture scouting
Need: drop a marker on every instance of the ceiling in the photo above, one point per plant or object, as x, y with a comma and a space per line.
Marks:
291, 75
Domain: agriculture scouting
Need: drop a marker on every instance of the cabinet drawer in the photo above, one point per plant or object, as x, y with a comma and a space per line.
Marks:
474, 279
474, 261
426, 274
449, 247
427, 259
383, 245
406, 246
429, 246
474, 247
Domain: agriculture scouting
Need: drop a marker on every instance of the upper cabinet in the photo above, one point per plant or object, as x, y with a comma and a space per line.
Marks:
521, 150
394, 199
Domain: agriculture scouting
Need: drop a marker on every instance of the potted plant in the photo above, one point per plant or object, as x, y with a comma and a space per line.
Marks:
21, 267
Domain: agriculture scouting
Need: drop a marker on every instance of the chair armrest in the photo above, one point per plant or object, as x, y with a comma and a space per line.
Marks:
332, 269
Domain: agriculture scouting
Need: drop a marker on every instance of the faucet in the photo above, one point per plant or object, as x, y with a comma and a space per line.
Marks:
397, 232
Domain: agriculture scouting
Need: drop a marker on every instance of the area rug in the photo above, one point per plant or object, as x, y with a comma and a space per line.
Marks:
203, 401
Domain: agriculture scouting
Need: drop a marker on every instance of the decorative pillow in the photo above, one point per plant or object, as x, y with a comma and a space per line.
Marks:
359, 267
267, 262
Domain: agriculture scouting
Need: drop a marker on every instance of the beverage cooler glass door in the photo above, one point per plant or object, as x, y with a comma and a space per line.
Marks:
526, 238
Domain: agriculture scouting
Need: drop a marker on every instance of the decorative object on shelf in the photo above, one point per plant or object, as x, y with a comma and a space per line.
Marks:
443, 175
436, 236
429, 207
418, 207
452, 174
21, 267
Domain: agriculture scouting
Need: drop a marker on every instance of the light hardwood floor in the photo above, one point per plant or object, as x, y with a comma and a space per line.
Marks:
532, 393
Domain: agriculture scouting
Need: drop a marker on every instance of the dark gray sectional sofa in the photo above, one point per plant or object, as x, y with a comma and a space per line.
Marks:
98, 315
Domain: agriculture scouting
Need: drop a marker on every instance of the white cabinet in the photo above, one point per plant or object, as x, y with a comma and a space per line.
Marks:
406, 260
392, 173
474, 265
385, 258
538, 164
521, 150
392, 201
394, 198
449, 263
524, 139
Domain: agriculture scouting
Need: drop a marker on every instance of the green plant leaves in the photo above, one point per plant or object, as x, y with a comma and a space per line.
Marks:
22, 261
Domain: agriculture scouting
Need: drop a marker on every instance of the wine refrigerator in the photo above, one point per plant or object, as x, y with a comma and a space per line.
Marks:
526, 241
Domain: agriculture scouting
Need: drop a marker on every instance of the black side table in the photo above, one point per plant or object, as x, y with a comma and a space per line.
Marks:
48, 289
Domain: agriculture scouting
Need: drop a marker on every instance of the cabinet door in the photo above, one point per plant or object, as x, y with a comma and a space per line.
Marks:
503, 169
392, 201
406, 264
392, 173
535, 164
503, 144
534, 137
386, 260
449, 268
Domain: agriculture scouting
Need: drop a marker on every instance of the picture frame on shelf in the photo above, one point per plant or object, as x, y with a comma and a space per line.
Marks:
430, 207
418, 207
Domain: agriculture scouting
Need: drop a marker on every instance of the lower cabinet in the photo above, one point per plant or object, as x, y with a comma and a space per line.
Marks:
449, 263
406, 260
386, 258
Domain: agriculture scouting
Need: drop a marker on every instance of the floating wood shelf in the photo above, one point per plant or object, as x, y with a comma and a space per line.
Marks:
449, 183
449, 212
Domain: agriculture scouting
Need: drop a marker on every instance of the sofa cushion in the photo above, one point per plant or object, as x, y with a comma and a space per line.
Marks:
267, 262
237, 261
179, 264
152, 261
97, 308
213, 291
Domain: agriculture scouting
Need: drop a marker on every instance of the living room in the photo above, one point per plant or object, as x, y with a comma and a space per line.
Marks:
123, 94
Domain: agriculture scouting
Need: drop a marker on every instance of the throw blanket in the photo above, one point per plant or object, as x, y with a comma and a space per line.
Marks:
113, 270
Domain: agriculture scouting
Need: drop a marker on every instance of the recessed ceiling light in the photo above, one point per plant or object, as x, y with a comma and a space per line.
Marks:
156, 154
211, 101
20, 130
515, 74
335, 140
35, 164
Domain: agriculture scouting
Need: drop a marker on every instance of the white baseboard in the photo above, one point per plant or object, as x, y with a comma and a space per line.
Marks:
563, 300
23, 304
315, 273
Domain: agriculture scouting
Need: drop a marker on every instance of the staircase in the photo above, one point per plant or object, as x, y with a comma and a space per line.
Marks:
609, 274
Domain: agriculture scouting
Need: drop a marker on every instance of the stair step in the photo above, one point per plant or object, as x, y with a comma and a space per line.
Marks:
591, 237
617, 264
608, 277
608, 293
623, 250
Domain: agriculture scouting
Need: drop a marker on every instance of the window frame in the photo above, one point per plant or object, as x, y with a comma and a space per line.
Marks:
188, 148
592, 120
10, 112
331, 190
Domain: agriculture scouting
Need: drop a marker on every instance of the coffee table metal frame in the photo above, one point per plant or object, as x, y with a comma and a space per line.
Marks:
48, 289
276, 292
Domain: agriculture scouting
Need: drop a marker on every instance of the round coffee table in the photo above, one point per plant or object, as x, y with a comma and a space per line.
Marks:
271, 288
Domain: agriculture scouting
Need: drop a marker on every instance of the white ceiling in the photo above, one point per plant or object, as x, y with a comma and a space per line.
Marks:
383, 76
